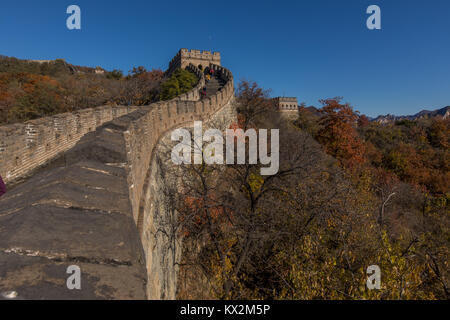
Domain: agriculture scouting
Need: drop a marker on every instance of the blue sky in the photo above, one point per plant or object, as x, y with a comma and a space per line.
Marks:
310, 49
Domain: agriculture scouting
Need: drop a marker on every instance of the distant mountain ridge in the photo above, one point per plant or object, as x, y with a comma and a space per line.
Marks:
424, 114
443, 112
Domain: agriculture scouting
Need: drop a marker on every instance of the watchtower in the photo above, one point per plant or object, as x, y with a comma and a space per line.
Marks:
198, 58
286, 103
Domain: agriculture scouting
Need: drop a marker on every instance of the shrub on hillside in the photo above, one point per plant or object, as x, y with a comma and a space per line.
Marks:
181, 81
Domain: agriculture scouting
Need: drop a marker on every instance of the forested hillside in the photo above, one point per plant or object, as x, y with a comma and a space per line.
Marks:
416, 152
30, 90
349, 194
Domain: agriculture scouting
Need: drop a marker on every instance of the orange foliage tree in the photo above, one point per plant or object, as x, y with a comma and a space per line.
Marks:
338, 134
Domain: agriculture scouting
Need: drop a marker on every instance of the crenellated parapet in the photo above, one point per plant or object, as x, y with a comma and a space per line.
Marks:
142, 138
165, 116
26, 146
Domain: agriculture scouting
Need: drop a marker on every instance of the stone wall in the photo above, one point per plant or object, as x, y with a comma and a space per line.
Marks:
159, 224
26, 146
147, 184
143, 134
120, 154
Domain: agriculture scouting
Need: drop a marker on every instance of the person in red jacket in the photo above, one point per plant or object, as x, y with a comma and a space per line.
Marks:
2, 187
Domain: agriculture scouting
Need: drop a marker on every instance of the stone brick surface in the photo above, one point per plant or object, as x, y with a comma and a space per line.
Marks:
91, 205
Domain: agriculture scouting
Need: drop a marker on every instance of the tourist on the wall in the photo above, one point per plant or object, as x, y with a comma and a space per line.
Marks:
2, 187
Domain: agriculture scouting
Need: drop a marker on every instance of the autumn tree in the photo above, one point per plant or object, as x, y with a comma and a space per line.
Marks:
338, 134
141, 87
363, 121
181, 81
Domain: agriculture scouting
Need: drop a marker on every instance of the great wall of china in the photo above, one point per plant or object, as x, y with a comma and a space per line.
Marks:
85, 192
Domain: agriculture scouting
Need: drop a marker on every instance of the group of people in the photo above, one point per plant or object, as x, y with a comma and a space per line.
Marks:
2, 187
209, 73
